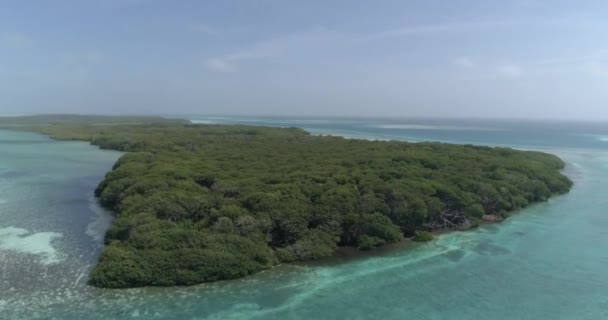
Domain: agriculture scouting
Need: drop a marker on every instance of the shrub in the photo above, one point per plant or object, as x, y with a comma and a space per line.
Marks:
423, 236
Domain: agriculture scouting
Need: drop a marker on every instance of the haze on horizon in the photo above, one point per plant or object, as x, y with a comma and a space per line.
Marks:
483, 59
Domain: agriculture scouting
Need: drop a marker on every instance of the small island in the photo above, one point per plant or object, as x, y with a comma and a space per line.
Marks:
200, 203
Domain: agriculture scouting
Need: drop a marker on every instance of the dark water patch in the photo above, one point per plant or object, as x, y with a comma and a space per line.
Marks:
490, 228
13, 174
454, 255
488, 249
31, 271
74, 201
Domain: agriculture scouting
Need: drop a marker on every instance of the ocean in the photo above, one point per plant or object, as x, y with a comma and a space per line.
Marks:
545, 262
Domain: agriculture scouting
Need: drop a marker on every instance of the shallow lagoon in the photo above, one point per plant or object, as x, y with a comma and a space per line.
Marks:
547, 262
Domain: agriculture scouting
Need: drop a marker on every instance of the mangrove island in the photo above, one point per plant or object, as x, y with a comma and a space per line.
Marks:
199, 203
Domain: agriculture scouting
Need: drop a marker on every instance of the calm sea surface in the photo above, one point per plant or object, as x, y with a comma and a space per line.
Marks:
547, 262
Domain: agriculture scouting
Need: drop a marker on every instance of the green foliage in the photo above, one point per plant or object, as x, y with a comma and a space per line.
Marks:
285, 255
423, 236
314, 244
198, 203
366, 242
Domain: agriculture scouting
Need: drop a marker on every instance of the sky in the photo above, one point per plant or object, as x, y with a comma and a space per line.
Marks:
481, 59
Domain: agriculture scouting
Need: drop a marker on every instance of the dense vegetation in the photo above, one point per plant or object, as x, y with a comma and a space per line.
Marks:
198, 203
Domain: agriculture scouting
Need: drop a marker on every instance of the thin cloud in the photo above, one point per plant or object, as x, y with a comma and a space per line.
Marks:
275, 47
217, 64
228, 63
432, 28
464, 62
203, 28
583, 59
598, 68
466, 26
510, 70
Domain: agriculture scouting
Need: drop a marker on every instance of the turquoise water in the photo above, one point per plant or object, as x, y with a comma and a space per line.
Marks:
547, 262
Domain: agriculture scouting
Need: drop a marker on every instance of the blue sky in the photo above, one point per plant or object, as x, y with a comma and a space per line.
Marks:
515, 59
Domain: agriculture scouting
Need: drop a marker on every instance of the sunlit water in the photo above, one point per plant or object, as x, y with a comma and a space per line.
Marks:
547, 262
